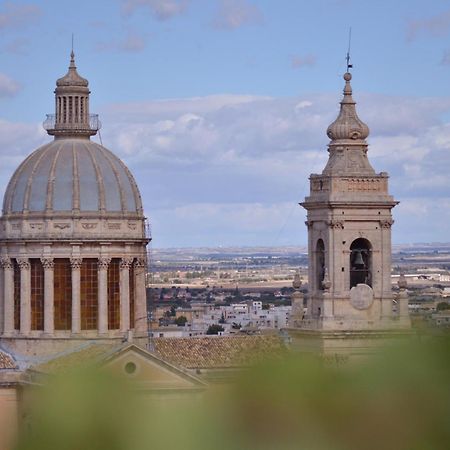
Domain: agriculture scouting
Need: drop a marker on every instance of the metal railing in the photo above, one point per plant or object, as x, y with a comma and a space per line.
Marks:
93, 124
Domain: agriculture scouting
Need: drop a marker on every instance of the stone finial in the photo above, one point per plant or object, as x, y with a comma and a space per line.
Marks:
402, 283
297, 283
348, 126
72, 77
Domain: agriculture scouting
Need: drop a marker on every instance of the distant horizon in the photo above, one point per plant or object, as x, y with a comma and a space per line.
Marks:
243, 247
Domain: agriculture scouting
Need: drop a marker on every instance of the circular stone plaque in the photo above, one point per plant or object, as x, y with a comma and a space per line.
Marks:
361, 296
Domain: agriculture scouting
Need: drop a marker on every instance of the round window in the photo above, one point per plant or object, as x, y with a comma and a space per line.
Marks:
130, 368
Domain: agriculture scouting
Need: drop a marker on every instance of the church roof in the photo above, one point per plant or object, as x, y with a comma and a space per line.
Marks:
216, 352
6, 361
72, 175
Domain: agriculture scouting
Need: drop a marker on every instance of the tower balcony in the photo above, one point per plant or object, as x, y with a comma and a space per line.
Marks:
72, 127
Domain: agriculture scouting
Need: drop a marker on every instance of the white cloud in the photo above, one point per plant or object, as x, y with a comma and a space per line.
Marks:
231, 169
13, 15
160, 9
298, 61
437, 26
132, 42
233, 14
8, 86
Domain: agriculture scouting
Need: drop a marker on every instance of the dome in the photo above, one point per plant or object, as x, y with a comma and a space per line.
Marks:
72, 176
348, 126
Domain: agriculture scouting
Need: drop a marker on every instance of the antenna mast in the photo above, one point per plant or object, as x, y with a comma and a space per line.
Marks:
349, 66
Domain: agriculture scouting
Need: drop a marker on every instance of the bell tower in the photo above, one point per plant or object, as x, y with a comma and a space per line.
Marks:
349, 234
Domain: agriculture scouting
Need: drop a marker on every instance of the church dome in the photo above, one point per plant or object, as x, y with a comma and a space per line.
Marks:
72, 175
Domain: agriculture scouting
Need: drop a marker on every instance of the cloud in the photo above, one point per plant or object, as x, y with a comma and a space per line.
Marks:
436, 26
231, 169
8, 86
160, 9
298, 61
13, 15
17, 46
233, 14
446, 58
131, 43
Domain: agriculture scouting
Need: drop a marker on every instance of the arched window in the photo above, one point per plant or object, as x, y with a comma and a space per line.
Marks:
360, 262
320, 263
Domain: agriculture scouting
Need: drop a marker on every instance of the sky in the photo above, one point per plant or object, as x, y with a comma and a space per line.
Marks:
220, 107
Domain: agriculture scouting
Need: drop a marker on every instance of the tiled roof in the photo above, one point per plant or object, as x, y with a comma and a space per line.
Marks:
89, 355
214, 352
6, 361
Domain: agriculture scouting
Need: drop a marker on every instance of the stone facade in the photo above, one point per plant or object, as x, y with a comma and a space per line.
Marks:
73, 238
349, 223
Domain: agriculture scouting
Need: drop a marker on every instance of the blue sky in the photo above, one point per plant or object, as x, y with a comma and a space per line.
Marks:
220, 107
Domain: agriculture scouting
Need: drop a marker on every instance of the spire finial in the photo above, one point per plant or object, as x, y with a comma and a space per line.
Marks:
72, 56
349, 66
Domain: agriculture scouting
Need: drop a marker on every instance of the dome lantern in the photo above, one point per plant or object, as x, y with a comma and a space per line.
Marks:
72, 118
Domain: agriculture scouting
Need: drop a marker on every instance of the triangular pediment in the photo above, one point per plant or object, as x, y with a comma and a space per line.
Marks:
149, 371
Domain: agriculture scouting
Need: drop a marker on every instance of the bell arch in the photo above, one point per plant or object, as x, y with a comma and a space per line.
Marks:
360, 262
320, 263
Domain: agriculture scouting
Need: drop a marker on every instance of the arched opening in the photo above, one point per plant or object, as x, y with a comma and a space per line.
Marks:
320, 263
360, 262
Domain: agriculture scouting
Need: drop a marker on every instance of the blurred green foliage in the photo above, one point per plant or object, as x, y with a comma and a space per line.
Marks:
398, 399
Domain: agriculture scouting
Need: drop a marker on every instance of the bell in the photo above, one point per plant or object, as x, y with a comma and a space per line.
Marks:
358, 261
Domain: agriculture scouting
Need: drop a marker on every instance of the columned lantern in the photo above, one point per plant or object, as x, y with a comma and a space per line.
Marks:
349, 234
72, 235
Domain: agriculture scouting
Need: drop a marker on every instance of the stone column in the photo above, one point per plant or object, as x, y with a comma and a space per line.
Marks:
125, 265
75, 264
140, 301
386, 289
49, 315
103, 264
25, 296
8, 295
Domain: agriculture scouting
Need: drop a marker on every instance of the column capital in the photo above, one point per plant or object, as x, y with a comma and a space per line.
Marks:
23, 263
103, 262
6, 263
140, 263
47, 263
126, 263
75, 263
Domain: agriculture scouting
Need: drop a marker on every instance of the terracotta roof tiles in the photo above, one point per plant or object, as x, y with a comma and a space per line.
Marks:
212, 352
6, 361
